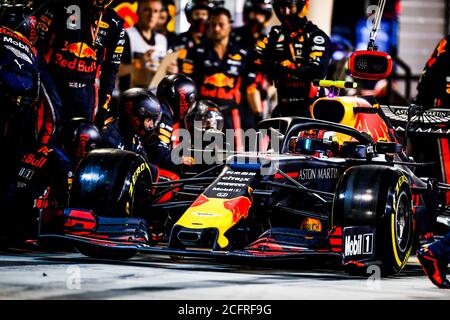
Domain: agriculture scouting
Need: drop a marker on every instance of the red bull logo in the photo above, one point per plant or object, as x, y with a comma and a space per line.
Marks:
76, 64
239, 207
200, 200
373, 125
439, 50
127, 11
80, 50
441, 47
219, 80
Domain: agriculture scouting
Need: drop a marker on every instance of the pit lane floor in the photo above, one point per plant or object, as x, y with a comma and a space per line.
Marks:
44, 275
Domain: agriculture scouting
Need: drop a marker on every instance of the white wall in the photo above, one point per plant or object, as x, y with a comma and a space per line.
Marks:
421, 26
321, 14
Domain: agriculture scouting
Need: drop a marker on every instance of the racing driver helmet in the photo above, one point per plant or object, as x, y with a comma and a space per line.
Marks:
315, 142
77, 137
289, 12
140, 112
177, 92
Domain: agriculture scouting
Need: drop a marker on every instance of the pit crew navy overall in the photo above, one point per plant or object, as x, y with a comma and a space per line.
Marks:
83, 45
30, 111
293, 55
433, 91
220, 80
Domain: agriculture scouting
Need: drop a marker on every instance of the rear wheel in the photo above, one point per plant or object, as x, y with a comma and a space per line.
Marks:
378, 197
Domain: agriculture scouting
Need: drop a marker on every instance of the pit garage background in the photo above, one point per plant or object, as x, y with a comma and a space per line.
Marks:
410, 31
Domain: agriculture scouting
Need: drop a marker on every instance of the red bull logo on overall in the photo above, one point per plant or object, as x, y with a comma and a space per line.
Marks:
224, 87
83, 53
76, 64
128, 12
80, 50
219, 80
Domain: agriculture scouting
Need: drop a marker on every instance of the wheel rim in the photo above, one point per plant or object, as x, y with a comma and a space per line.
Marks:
403, 222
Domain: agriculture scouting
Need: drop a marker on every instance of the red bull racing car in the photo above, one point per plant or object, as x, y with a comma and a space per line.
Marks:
314, 188
337, 186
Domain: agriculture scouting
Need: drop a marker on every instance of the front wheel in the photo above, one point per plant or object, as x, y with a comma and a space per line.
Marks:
378, 197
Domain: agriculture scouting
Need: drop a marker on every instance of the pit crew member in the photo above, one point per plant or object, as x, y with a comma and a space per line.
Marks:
256, 15
433, 91
197, 13
219, 68
82, 41
295, 53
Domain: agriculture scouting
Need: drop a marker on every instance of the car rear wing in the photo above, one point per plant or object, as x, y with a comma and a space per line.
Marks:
415, 120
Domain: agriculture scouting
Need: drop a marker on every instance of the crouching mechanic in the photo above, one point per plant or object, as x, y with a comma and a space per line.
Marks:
177, 94
44, 176
30, 111
140, 114
435, 259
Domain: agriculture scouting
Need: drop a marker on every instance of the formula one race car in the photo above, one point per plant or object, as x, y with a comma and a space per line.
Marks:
336, 186
313, 188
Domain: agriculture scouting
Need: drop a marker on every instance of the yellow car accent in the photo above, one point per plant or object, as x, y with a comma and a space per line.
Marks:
337, 84
394, 247
211, 214
400, 263
201, 217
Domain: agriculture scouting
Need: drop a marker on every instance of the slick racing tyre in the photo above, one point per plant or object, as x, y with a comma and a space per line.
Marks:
112, 183
378, 197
